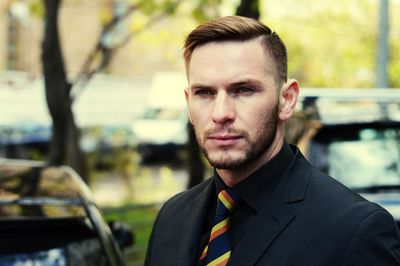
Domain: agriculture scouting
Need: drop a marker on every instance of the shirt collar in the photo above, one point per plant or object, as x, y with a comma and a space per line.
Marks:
254, 189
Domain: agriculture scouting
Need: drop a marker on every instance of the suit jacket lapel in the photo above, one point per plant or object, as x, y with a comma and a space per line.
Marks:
194, 216
274, 216
262, 231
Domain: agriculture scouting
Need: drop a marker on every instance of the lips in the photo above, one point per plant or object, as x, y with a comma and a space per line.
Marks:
224, 139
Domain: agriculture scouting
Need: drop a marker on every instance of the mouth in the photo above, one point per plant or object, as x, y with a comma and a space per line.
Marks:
224, 139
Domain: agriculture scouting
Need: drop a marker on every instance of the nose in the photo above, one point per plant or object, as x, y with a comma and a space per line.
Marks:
223, 111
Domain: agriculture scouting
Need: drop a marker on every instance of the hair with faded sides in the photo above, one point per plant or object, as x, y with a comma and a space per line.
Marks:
237, 28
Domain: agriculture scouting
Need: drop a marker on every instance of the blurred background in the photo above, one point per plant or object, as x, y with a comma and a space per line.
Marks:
98, 85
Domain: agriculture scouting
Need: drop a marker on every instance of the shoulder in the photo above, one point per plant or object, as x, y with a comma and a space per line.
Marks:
302, 181
376, 241
329, 193
366, 232
186, 197
173, 209
172, 222
328, 197
317, 184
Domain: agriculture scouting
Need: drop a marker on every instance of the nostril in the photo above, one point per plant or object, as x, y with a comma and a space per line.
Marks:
223, 117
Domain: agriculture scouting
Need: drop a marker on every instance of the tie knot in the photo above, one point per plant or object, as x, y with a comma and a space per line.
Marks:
227, 201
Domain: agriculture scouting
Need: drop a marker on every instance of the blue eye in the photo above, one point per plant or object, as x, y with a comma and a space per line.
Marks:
204, 92
243, 91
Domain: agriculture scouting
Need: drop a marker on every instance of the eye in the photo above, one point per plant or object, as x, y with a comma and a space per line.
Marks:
243, 90
204, 92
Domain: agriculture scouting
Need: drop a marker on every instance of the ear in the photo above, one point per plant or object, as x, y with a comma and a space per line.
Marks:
187, 94
187, 103
288, 99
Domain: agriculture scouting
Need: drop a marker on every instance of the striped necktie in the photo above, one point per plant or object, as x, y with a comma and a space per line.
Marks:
218, 250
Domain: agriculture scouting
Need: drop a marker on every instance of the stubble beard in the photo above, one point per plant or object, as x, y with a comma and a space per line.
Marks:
256, 147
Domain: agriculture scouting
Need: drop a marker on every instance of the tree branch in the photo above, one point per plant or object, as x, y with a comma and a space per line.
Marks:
108, 54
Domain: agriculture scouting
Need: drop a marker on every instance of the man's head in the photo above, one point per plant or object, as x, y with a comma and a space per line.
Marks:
236, 28
238, 95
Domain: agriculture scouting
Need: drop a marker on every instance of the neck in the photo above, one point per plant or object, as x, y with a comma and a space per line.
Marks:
231, 177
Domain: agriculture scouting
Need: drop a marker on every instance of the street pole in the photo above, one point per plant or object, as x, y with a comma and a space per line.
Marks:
383, 47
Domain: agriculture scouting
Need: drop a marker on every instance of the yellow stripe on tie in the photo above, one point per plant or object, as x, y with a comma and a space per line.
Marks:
226, 200
219, 225
204, 254
218, 250
221, 261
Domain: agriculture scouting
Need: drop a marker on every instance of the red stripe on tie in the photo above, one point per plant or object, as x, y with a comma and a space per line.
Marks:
228, 198
204, 254
223, 263
219, 232
219, 249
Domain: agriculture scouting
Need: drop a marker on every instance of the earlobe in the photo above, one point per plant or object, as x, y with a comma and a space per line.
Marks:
290, 92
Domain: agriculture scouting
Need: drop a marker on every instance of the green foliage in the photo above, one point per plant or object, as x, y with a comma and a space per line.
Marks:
330, 44
394, 72
36, 8
154, 6
333, 44
394, 45
205, 9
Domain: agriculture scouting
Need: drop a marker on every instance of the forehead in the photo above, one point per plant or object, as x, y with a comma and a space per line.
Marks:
230, 60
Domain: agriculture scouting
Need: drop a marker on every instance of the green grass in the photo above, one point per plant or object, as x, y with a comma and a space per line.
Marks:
140, 219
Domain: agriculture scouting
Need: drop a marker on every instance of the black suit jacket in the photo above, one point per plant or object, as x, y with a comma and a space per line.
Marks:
309, 219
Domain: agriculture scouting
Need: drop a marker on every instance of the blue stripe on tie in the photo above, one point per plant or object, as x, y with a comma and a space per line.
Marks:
221, 244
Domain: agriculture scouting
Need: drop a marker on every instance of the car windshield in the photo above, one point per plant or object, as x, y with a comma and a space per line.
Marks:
360, 158
50, 257
50, 241
84, 253
162, 114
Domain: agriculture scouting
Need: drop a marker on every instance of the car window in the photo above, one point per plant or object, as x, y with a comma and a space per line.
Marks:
84, 253
50, 241
359, 157
52, 257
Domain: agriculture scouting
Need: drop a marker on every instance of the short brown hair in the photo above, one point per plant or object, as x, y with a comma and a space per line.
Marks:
237, 28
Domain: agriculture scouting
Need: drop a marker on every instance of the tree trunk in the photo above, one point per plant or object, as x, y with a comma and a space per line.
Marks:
249, 8
64, 147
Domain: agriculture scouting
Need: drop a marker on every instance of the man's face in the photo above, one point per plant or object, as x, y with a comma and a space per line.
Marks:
233, 102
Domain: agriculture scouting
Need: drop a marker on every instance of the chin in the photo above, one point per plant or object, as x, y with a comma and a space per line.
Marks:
229, 162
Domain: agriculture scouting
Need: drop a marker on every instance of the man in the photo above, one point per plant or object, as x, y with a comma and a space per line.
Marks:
265, 205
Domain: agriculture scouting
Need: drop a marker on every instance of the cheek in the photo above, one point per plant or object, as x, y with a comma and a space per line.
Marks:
198, 116
254, 112
261, 114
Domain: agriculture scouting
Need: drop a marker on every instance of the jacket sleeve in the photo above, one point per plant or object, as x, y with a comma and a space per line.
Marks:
150, 244
157, 236
375, 242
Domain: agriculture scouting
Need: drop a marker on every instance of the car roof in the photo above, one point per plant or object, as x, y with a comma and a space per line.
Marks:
346, 106
378, 94
34, 189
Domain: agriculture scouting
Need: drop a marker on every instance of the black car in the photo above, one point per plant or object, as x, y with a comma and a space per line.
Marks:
354, 136
48, 217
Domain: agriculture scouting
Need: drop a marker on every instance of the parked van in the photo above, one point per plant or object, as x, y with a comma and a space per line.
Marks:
161, 131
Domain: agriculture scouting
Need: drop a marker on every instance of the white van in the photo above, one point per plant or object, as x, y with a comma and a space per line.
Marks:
161, 131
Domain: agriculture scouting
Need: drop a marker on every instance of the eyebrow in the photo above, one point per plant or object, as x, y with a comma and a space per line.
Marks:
199, 86
245, 82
